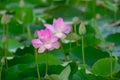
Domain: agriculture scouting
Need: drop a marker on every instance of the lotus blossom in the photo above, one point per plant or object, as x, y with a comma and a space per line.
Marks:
59, 28
45, 41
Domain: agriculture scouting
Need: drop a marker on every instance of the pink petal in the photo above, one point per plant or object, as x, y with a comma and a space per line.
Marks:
44, 35
67, 29
50, 27
51, 48
36, 43
58, 20
48, 45
41, 49
58, 24
60, 35
56, 45
54, 39
40, 33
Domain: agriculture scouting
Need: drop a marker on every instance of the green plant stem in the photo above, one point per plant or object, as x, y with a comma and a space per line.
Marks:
111, 64
7, 33
67, 2
83, 55
70, 46
23, 24
29, 32
1, 72
115, 15
63, 52
5, 43
94, 8
52, 2
37, 66
75, 30
23, 28
77, 2
86, 5
46, 72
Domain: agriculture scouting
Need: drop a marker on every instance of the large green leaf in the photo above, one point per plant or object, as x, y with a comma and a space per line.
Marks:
26, 50
64, 75
30, 59
82, 75
12, 44
52, 77
14, 27
91, 40
68, 12
102, 66
23, 14
114, 38
91, 54
51, 59
25, 71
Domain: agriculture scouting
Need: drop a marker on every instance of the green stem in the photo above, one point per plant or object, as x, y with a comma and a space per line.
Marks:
86, 4
83, 52
67, 2
77, 2
52, 2
29, 32
115, 15
70, 43
23, 24
36, 59
46, 73
7, 33
75, 30
94, 8
111, 64
3, 30
1, 72
63, 52
23, 28
5, 43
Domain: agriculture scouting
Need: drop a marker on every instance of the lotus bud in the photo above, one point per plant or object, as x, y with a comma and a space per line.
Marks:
76, 20
111, 47
82, 29
22, 3
3, 60
5, 19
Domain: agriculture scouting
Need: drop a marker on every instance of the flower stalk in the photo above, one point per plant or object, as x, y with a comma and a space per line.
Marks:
83, 54
4, 21
37, 66
46, 72
75, 30
111, 59
111, 64
82, 31
65, 56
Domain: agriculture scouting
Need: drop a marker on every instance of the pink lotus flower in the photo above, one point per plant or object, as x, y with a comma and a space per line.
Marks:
59, 28
45, 41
